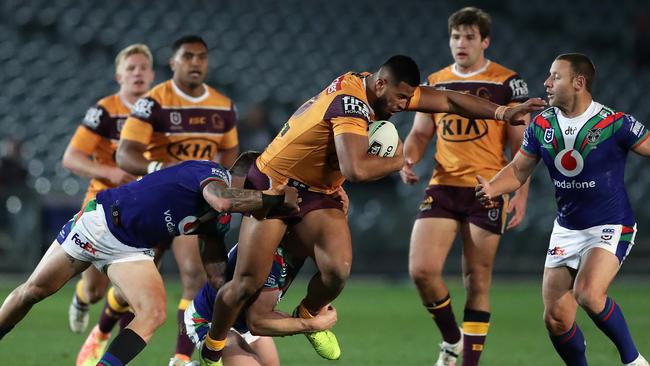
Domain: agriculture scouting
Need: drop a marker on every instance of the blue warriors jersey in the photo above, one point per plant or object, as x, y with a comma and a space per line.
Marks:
283, 271
165, 204
585, 157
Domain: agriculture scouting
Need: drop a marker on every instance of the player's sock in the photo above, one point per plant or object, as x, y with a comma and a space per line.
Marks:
612, 323
184, 346
571, 346
4, 331
111, 313
443, 315
126, 319
123, 349
79, 295
212, 349
475, 328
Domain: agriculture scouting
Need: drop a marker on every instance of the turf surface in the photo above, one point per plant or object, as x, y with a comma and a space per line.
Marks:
379, 324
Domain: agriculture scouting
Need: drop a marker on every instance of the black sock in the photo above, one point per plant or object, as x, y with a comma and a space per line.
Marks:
126, 346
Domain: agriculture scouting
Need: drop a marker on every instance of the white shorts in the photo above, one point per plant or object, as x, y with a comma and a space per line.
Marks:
567, 247
89, 240
197, 328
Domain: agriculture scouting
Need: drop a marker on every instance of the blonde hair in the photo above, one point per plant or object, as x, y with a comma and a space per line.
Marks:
138, 48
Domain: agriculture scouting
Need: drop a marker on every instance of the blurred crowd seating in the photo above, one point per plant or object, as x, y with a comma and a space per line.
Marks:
57, 60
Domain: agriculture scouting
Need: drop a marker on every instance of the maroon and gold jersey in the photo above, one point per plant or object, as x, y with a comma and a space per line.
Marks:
98, 135
177, 127
469, 147
304, 150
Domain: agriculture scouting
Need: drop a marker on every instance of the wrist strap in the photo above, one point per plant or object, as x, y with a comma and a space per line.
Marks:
500, 112
154, 166
270, 201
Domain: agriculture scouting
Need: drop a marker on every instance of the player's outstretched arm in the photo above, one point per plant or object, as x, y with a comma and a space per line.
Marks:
508, 180
435, 101
226, 199
264, 320
80, 164
355, 163
416, 143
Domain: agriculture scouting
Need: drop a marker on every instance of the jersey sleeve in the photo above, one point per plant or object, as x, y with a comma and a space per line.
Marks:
348, 114
139, 126
199, 173
414, 102
632, 132
530, 144
516, 89
95, 125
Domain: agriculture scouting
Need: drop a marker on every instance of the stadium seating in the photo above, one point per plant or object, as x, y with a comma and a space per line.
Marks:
57, 59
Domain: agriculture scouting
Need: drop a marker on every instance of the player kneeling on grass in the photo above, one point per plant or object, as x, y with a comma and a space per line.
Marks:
116, 232
249, 341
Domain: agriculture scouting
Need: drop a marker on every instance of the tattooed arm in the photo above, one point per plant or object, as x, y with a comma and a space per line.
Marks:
225, 199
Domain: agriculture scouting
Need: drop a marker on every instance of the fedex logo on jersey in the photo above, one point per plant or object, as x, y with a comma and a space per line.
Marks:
87, 246
557, 251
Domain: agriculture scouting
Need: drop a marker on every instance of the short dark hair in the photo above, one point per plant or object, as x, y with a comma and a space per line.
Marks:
581, 65
190, 38
403, 68
243, 163
471, 16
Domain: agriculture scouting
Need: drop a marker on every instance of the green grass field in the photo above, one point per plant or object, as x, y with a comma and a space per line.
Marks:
379, 324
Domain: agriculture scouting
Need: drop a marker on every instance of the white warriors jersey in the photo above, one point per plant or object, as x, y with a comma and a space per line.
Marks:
585, 157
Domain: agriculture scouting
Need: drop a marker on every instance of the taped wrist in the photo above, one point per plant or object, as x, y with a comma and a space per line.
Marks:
271, 201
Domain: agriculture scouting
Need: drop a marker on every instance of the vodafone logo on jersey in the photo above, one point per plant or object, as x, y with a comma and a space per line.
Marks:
569, 162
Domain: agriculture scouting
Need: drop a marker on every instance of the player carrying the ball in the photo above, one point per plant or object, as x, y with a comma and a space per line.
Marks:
322, 144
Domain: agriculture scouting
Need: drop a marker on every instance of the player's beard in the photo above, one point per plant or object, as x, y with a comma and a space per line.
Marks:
381, 109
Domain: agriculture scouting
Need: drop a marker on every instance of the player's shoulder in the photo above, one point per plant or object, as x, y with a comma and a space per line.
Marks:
443, 74
114, 105
500, 72
217, 98
161, 91
542, 118
349, 83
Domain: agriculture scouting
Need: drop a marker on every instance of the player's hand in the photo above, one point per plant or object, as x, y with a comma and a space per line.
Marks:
325, 319
342, 196
516, 115
118, 176
291, 197
407, 174
517, 206
484, 193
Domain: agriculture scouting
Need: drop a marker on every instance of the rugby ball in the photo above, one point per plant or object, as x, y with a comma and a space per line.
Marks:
382, 139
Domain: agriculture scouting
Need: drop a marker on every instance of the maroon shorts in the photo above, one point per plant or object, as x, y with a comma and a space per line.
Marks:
311, 201
460, 204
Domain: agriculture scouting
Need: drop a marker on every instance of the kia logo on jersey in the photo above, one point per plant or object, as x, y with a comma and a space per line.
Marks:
569, 162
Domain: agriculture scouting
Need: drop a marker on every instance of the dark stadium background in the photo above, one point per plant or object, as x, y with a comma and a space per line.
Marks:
56, 59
